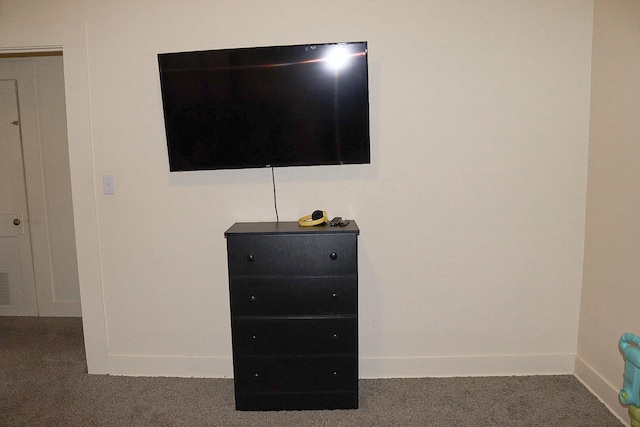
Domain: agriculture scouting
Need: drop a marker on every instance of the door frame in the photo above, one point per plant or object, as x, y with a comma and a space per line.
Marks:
69, 36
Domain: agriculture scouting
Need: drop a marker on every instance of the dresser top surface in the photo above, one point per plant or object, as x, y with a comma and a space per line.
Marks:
288, 227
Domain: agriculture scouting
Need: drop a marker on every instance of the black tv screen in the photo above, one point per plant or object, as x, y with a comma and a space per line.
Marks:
266, 106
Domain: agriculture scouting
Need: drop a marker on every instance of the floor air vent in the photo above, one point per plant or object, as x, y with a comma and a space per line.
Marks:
5, 291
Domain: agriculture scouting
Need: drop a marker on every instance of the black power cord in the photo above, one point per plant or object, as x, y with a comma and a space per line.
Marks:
275, 200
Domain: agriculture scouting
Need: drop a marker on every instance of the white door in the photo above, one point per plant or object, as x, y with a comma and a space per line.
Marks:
17, 285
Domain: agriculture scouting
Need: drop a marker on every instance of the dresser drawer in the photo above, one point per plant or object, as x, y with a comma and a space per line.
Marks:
286, 296
302, 336
295, 374
265, 255
296, 401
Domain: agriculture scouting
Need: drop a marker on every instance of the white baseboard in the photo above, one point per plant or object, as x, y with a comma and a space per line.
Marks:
170, 366
606, 392
467, 366
67, 309
413, 367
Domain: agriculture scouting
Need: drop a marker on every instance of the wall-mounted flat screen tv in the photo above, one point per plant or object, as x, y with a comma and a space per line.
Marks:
266, 106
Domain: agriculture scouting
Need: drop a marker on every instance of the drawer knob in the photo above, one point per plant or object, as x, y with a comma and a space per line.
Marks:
333, 256
335, 336
335, 374
250, 258
252, 298
256, 376
334, 296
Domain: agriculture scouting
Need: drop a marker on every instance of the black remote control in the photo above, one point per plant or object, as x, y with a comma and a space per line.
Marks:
335, 221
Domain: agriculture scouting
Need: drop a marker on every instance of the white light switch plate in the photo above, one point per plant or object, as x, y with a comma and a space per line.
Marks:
108, 184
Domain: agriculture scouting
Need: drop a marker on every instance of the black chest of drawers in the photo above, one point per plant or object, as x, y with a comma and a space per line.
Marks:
294, 315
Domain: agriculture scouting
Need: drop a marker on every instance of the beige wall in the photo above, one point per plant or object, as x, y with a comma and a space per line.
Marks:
611, 289
479, 113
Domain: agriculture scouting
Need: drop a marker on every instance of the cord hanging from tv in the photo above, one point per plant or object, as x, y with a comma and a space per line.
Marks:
275, 106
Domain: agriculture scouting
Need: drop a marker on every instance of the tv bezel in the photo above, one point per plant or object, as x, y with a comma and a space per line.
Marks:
365, 154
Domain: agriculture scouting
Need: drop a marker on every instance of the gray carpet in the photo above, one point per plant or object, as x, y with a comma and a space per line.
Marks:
43, 382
